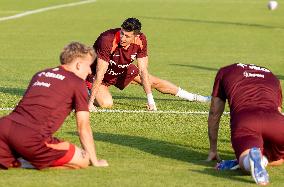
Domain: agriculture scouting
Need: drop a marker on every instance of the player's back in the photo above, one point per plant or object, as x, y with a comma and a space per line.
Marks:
49, 99
249, 86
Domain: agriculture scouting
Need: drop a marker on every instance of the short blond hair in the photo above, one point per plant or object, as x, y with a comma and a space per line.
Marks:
75, 50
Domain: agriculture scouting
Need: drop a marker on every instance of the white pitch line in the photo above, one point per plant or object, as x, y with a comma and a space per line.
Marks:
44, 9
151, 112
140, 111
6, 109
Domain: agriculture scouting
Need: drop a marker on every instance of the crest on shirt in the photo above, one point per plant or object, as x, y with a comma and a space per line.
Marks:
133, 57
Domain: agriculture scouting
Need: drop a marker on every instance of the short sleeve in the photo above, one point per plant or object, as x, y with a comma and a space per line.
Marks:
103, 47
80, 100
218, 88
142, 52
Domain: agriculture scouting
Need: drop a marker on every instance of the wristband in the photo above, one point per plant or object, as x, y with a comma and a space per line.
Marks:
150, 99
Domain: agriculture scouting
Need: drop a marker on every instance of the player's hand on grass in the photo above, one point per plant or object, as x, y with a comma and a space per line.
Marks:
152, 107
100, 163
92, 108
213, 156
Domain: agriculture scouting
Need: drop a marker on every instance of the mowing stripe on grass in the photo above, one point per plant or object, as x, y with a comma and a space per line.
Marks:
140, 111
44, 10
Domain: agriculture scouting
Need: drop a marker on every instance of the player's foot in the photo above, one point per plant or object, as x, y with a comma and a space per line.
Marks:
258, 171
228, 165
25, 164
201, 98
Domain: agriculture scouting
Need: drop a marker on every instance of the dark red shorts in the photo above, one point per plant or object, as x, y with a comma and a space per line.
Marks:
17, 140
258, 128
120, 81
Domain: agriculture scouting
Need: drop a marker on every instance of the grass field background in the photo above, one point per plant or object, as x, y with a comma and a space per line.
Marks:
188, 41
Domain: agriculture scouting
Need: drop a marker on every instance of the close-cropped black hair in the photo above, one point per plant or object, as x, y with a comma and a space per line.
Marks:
132, 24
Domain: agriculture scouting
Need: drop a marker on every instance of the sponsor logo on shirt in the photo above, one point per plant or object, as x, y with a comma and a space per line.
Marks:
254, 67
133, 57
113, 63
52, 75
258, 75
111, 72
37, 83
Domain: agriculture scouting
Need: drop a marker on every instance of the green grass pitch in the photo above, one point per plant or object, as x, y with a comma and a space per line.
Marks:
188, 41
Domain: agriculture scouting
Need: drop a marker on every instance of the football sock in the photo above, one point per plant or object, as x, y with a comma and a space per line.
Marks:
186, 95
191, 96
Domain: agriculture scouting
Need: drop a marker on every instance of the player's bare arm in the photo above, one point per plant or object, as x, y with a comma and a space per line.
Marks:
144, 74
100, 72
215, 113
86, 138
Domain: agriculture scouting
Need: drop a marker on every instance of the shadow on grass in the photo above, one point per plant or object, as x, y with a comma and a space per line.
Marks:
280, 77
13, 91
197, 67
155, 147
190, 154
236, 175
253, 25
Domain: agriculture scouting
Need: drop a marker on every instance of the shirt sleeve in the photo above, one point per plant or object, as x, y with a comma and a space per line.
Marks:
218, 88
80, 101
103, 47
143, 46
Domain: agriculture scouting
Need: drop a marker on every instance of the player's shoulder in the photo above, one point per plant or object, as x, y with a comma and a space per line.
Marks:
64, 74
142, 36
141, 40
230, 67
109, 34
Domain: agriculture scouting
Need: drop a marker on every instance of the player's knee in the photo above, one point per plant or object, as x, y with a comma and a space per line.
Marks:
106, 104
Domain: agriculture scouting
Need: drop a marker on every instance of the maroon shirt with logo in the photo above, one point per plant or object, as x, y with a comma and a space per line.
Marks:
247, 86
108, 49
52, 94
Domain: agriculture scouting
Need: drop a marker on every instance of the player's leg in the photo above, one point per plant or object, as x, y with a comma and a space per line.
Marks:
104, 97
167, 87
273, 130
7, 159
75, 158
247, 143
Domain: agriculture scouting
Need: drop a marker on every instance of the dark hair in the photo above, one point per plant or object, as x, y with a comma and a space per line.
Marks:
74, 50
132, 24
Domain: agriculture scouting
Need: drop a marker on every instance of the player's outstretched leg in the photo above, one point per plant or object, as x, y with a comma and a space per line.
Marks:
257, 168
167, 87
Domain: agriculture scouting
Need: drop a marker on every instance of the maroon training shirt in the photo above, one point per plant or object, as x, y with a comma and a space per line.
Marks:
49, 99
108, 49
247, 86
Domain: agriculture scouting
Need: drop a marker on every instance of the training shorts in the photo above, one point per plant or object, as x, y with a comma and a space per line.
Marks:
258, 128
120, 81
17, 140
